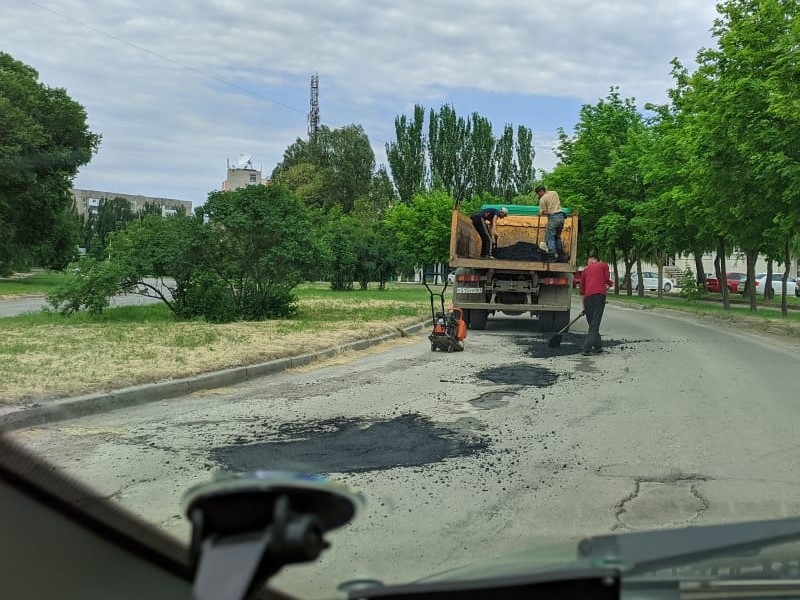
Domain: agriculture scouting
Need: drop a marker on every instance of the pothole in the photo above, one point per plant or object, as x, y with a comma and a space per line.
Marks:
520, 374
491, 400
657, 504
352, 445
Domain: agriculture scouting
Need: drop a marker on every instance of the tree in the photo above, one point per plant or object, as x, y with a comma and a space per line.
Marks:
112, 215
232, 260
334, 169
525, 154
739, 124
422, 230
406, 156
506, 179
261, 258
448, 136
600, 180
45, 139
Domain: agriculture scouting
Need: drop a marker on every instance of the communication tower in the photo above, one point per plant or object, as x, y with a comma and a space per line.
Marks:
313, 113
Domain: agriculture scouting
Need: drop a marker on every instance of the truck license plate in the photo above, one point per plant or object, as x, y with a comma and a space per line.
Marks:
469, 290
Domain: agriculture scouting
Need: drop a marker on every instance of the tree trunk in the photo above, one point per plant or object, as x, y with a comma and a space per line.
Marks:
639, 287
751, 257
699, 268
722, 273
660, 265
616, 271
627, 275
769, 291
787, 263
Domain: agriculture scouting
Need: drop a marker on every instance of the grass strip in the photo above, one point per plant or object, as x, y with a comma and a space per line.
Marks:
46, 355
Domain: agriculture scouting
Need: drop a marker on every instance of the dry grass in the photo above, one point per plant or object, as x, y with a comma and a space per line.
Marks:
50, 361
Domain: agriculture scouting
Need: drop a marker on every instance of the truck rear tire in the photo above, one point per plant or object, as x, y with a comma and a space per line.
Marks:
477, 319
560, 320
545, 323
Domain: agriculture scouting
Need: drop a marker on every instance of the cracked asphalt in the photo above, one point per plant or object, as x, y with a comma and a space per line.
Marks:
467, 456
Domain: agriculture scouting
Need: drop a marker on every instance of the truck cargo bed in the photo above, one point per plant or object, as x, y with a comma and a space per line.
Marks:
514, 232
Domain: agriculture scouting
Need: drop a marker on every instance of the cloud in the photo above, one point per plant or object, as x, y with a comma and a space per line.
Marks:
175, 88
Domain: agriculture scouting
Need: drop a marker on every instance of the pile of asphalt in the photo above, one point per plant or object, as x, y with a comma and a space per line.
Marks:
520, 251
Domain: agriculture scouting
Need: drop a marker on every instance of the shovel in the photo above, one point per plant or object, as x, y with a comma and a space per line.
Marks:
555, 341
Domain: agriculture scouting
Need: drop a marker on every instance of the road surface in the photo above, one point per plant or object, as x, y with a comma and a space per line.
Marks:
467, 456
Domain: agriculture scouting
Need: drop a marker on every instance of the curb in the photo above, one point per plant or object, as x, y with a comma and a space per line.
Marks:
91, 404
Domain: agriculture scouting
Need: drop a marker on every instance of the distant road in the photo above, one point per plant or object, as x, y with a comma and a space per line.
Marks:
19, 306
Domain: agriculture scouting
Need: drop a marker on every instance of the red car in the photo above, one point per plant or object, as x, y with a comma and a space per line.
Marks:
734, 281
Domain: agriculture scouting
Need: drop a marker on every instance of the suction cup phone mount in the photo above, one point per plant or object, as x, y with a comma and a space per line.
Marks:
246, 527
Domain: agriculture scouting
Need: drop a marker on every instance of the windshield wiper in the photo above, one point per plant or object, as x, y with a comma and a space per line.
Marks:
642, 552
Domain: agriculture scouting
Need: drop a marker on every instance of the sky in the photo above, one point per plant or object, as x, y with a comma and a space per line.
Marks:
176, 89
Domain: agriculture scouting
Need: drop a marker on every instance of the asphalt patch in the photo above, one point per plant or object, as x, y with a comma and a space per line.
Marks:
352, 446
571, 343
520, 374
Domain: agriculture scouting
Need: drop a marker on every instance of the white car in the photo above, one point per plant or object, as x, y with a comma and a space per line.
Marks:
777, 285
650, 281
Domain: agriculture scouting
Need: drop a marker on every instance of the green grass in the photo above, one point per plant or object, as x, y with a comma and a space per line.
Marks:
317, 304
701, 307
151, 313
39, 282
402, 292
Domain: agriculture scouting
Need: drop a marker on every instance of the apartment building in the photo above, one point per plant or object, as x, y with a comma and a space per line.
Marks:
243, 174
87, 202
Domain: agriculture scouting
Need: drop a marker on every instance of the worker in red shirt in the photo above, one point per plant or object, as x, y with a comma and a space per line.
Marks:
595, 281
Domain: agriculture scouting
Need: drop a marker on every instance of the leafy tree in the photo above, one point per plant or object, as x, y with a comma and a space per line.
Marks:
597, 177
112, 215
506, 168
739, 131
44, 140
334, 169
481, 147
422, 230
525, 154
239, 257
406, 156
450, 158
264, 244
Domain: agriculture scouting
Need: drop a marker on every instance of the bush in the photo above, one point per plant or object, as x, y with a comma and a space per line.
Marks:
273, 302
92, 286
206, 295
691, 290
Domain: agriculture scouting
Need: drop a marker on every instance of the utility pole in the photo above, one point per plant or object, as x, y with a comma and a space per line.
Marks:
313, 113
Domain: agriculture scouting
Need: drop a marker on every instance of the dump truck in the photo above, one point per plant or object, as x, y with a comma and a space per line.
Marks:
519, 280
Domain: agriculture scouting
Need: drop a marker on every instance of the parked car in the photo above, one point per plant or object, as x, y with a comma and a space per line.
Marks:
777, 283
650, 281
576, 278
735, 281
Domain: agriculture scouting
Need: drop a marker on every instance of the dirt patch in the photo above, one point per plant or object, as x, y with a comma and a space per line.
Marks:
520, 374
351, 445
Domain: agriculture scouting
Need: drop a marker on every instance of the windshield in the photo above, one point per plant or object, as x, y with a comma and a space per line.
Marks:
239, 238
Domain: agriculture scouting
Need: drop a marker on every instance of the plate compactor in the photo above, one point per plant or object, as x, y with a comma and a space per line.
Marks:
449, 326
